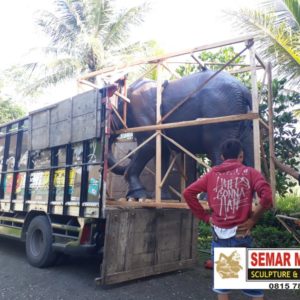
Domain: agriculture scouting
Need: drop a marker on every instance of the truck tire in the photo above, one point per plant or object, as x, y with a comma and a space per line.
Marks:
39, 243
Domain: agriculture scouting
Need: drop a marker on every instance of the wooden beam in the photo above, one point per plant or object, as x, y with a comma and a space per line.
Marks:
255, 108
264, 124
168, 171
199, 62
175, 191
147, 203
186, 151
271, 134
122, 96
150, 171
286, 169
159, 58
177, 76
264, 158
262, 87
210, 64
243, 70
183, 177
158, 135
118, 116
260, 61
180, 168
133, 151
202, 121
86, 82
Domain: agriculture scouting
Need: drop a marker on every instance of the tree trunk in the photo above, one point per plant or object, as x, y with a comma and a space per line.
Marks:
287, 169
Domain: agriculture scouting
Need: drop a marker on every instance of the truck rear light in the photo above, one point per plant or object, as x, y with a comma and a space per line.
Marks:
86, 234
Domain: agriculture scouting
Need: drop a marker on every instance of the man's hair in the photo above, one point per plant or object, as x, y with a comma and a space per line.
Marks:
231, 148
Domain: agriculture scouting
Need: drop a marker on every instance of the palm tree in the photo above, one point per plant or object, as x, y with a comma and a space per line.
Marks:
84, 35
277, 25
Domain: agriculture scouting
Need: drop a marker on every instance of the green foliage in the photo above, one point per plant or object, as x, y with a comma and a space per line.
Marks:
272, 237
277, 29
215, 60
286, 135
9, 111
288, 204
204, 236
269, 232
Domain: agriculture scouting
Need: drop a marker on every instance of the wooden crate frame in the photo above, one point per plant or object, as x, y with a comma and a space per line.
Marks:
159, 63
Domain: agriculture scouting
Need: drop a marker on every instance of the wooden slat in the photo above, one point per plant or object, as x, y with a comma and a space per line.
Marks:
176, 75
152, 203
146, 204
260, 60
285, 168
271, 134
147, 271
202, 121
186, 151
175, 191
147, 242
156, 59
133, 151
264, 124
168, 171
183, 177
158, 152
122, 96
243, 70
255, 107
186, 235
118, 116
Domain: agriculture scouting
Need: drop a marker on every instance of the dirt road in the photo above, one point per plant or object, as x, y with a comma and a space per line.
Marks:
75, 280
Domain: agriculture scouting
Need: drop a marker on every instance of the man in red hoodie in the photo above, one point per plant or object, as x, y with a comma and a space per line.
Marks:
230, 188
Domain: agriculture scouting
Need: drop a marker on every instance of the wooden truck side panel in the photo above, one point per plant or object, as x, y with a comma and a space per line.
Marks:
143, 242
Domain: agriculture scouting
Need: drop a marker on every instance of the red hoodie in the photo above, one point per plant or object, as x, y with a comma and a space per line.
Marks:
230, 187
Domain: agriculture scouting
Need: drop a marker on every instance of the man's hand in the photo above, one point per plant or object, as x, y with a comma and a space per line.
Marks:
245, 228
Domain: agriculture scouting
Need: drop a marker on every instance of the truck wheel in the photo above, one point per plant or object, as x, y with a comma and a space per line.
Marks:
39, 243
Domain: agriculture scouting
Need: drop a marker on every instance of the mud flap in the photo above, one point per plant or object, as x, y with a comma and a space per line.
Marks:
144, 242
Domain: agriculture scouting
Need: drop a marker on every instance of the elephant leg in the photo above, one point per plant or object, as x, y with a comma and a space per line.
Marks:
138, 162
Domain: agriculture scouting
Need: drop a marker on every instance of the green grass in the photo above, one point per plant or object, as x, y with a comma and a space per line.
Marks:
288, 204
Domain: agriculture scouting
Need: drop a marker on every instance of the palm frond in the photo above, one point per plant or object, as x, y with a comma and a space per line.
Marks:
99, 14
84, 35
294, 9
118, 30
277, 42
32, 77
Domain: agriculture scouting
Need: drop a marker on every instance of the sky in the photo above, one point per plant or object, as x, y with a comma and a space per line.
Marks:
175, 25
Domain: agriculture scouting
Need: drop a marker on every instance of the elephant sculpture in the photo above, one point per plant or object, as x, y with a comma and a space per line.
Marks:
222, 96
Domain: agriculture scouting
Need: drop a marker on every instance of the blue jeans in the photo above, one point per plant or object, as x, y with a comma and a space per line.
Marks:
235, 242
